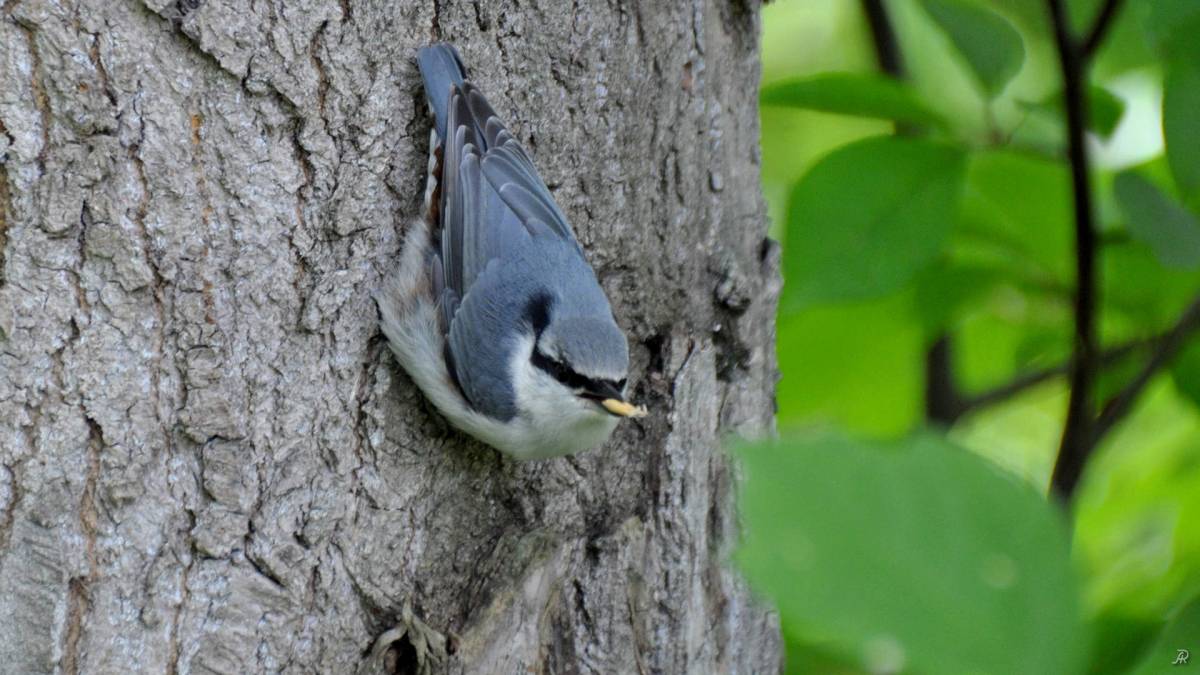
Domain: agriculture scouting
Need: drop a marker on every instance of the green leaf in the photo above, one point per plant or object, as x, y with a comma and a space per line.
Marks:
1118, 642
1124, 48
1170, 24
837, 369
1139, 289
862, 95
1186, 371
1156, 220
1014, 334
1114, 377
1137, 512
1020, 206
919, 558
1105, 110
946, 290
1081, 13
987, 41
867, 217
1182, 634
1181, 124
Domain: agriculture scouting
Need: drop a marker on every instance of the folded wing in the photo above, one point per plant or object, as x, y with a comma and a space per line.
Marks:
492, 205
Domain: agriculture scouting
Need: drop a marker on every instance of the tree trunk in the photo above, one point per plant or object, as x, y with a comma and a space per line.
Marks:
211, 462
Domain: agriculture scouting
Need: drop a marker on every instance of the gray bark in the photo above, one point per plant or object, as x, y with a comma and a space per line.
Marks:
211, 463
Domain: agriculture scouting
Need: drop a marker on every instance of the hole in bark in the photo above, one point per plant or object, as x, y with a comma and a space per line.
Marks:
733, 355
766, 248
401, 658
656, 345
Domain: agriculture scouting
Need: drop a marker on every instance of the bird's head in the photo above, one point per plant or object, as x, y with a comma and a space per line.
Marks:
587, 355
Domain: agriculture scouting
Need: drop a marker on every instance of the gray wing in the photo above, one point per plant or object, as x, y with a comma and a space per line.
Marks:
493, 205
480, 342
511, 173
492, 198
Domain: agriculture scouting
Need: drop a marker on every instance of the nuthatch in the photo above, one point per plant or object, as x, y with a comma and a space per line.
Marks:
494, 311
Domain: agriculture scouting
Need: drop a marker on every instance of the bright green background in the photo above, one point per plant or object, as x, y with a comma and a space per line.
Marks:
875, 536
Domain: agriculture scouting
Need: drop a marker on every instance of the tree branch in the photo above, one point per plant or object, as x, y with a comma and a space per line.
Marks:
1095, 36
1168, 347
1077, 440
943, 402
1027, 381
883, 36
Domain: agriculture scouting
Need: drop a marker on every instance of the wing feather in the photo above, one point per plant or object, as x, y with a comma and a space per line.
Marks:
491, 193
481, 340
473, 228
523, 191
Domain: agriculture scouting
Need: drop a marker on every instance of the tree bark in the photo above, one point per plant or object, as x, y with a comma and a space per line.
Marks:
211, 463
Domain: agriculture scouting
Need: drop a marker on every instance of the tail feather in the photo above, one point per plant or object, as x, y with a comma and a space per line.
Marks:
441, 70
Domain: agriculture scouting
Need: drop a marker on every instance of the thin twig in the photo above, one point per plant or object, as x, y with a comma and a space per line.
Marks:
1077, 435
1169, 346
1095, 37
1027, 381
943, 402
883, 36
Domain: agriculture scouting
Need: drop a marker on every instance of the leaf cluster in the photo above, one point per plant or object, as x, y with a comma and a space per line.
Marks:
926, 216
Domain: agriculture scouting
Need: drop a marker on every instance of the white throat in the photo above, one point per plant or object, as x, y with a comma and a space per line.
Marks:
552, 419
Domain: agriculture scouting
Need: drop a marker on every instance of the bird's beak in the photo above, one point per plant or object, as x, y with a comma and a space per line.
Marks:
611, 399
623, 408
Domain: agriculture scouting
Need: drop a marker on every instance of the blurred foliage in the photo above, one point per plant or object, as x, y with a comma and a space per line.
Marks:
939, 205
1164, 655
926, 579
888, 196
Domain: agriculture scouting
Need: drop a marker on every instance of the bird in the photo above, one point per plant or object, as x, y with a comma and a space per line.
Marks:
493, 309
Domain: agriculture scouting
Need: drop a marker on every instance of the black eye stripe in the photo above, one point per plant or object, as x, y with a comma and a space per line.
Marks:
537, 313
570, 378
